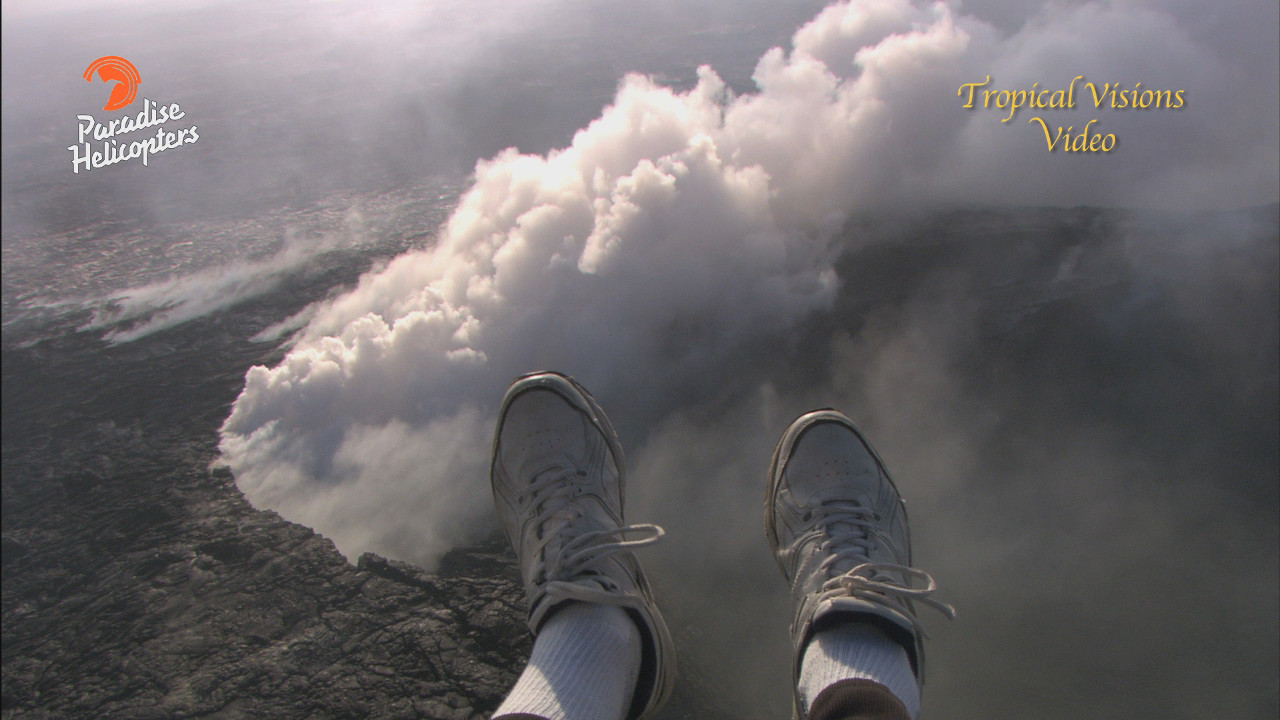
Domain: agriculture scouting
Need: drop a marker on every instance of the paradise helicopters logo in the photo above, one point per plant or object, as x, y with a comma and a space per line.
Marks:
112, 147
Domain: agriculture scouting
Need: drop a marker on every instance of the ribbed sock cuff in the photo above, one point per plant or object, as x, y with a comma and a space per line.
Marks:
857, 650
584, 666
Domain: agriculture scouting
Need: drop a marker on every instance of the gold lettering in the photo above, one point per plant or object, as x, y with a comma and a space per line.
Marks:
1071, 92
1050, 141
1097, 99
1081, 141
1019, 99
972, 87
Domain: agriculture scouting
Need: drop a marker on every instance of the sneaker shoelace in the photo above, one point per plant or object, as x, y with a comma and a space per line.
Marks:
552, 493
849, 528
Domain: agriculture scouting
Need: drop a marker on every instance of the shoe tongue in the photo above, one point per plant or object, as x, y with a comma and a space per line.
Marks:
550, 472
557, 521
851, 530
844, 526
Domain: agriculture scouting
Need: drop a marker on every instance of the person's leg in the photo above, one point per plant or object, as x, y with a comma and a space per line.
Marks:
855, 670
839, 532
601, 649
585, 663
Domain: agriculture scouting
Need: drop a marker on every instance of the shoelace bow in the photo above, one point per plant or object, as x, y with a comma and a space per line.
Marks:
552, 492
849, 529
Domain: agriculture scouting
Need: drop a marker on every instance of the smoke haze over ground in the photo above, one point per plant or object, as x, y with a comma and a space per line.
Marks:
682, 227
1080, 405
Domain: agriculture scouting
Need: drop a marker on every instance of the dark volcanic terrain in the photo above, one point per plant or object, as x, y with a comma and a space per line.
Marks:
138, 582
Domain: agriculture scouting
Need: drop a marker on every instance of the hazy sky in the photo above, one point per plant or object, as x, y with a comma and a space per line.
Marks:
317, 94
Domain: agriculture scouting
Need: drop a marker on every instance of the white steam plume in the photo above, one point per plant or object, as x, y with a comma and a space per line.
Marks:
681, 229
136, 312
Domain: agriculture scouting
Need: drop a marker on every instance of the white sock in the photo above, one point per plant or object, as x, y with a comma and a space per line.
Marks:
584, 666
857, 650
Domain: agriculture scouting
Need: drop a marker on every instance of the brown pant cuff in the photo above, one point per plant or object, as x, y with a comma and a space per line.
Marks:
857, 699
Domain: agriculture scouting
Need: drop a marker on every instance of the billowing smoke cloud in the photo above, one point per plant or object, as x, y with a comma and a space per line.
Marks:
704, 263
680, 229
638, 257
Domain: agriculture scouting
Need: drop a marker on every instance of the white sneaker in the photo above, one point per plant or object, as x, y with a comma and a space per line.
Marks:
558, 479
838, 528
